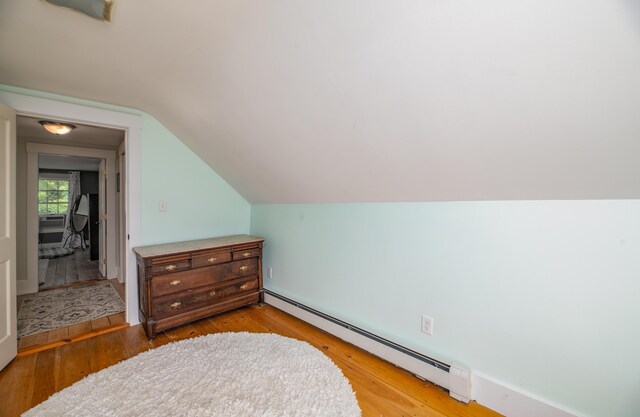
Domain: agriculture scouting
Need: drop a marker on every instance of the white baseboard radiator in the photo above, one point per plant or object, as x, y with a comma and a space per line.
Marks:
452, 377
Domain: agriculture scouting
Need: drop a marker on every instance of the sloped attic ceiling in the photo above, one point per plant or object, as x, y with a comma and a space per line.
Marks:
346, 100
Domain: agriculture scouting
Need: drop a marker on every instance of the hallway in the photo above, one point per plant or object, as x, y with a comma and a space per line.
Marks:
69, 269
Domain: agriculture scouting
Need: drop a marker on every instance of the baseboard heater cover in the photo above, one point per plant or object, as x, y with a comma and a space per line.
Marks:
455, 378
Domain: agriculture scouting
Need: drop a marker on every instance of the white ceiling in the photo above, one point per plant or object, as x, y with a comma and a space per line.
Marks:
82, 135
351, 100
66, 162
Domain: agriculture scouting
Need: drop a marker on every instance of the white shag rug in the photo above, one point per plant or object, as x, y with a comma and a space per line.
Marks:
225, 374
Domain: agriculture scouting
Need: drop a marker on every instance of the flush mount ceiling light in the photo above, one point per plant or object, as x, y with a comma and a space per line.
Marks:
57, 128
100, 9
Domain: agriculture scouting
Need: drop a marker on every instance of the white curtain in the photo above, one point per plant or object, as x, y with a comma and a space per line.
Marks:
74, 240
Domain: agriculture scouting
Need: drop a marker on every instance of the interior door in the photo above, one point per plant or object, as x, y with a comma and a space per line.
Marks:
102, 208
8, 326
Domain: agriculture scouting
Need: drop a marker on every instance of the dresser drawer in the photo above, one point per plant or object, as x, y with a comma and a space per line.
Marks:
201, 312
170, 267
247, 253
209, 258
170, 258
190, 300
242, 268
200, 277
238, 287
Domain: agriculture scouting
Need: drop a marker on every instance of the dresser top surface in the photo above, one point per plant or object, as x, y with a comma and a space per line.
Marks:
194, 245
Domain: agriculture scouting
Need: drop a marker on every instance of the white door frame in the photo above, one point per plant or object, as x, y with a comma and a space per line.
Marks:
30, 285
106, 207
132, 125
122, 214
8, 327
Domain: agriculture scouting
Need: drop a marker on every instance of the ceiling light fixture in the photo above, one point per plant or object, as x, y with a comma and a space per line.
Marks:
57, 128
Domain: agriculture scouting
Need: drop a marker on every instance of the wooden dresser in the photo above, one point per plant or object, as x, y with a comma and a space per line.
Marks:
186, 281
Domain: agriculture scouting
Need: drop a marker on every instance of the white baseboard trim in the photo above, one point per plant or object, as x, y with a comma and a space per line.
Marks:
25, 287
463, 384
513, 402
457, 381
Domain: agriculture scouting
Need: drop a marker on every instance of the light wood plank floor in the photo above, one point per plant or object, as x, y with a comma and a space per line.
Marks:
69, 269
40, 341
381, 388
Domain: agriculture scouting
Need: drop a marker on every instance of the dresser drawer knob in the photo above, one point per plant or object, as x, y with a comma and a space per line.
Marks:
175, 282
175, 305
212, 260
170, 267
212, 293
246, 254
244, 268
244, 286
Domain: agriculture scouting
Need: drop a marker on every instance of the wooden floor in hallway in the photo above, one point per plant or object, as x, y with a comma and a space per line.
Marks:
63, 270
381, 388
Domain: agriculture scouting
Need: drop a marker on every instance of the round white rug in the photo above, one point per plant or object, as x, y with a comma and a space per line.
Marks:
225, 374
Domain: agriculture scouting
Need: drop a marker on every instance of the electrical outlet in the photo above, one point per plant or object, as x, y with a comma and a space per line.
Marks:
427, 325
270, 272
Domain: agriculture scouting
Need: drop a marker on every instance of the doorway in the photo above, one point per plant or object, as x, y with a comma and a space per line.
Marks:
62, 108
68, 245
72, 283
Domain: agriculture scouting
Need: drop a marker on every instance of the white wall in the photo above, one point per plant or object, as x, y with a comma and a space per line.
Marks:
350, 100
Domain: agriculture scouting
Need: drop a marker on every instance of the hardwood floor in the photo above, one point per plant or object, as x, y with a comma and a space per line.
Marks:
381, 388
69, 334
69, 269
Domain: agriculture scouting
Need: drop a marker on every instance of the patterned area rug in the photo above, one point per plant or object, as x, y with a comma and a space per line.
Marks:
48, 310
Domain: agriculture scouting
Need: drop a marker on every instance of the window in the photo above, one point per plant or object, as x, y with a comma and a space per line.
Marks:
53, 196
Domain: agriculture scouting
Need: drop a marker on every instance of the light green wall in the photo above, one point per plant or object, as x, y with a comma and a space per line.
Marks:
200, 203
542, 295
